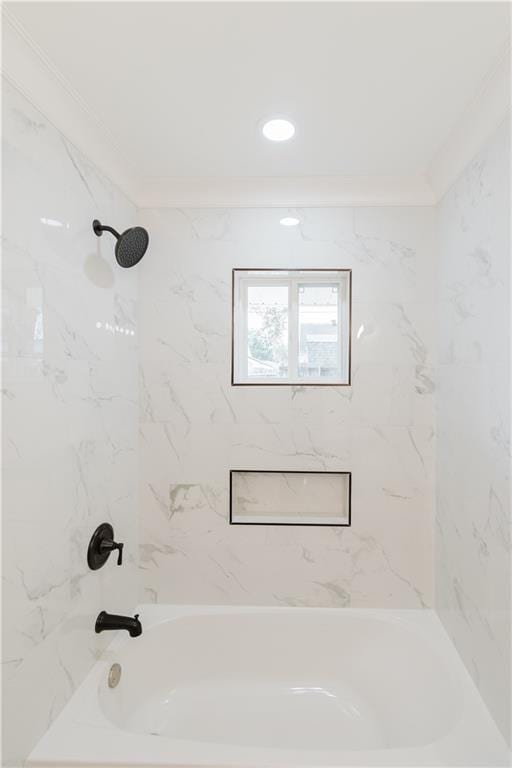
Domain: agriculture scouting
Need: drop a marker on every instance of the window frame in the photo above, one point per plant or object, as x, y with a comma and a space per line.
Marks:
243, 278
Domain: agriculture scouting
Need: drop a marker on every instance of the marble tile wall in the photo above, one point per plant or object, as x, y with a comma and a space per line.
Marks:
473, 541
69, 418
195, 427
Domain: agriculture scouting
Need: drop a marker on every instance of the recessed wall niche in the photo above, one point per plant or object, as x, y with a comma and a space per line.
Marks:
291, 327
272, 497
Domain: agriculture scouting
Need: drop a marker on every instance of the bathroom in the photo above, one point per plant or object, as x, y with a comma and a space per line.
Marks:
256, 384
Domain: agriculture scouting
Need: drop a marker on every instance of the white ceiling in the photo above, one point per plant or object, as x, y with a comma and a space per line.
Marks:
373, 88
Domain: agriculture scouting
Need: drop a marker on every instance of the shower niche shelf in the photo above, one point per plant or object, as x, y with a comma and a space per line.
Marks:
275, 497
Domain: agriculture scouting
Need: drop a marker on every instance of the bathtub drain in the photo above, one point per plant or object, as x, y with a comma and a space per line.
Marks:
114, 675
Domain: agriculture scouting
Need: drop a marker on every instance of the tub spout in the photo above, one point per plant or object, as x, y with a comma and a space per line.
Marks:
110, 621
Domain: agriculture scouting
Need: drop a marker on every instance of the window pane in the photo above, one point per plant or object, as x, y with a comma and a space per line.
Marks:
319, 349
267, 330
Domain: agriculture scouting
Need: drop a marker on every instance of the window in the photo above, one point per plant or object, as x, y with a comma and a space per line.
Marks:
291, 327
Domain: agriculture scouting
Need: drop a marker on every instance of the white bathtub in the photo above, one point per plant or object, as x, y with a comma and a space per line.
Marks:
277, 687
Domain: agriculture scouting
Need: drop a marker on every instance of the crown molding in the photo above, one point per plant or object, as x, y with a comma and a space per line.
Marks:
284, 192
477, 123
28, 69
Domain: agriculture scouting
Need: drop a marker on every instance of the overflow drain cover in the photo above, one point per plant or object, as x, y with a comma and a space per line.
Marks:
114, 675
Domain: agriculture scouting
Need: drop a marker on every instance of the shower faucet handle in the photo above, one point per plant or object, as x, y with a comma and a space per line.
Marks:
101, 545
107, 545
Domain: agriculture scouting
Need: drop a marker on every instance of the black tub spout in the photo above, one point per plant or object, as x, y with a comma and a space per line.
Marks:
110, 621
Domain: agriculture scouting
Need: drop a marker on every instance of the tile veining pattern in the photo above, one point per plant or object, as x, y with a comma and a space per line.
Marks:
69, 418
473, 544
195, 427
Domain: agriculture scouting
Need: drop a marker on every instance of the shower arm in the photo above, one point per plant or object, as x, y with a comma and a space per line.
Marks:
100, 228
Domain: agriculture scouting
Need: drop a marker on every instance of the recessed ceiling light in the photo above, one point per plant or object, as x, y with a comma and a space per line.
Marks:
289, 221
278, 129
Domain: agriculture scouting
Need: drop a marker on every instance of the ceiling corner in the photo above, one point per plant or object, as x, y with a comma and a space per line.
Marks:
486, 111
28, 69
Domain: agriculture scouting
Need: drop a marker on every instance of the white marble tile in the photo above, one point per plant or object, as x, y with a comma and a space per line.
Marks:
473, 543
186, 541
70, 410
195, 426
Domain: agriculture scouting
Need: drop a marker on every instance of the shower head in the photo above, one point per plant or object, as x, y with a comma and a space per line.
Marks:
131, 245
